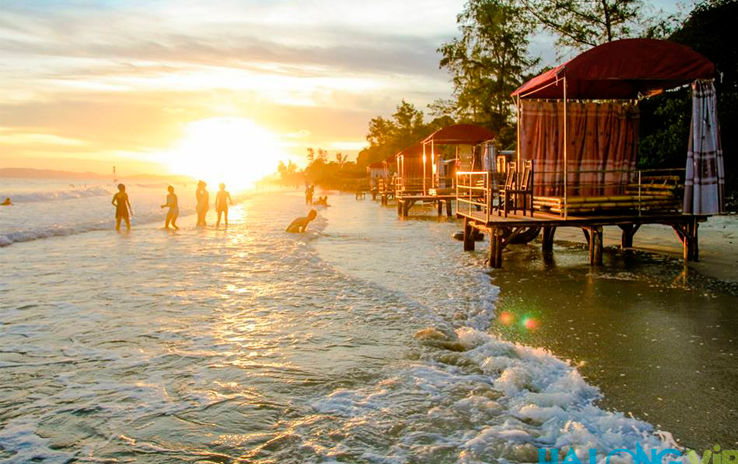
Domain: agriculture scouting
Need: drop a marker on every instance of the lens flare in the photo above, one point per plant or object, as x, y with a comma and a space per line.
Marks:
507, 318
530, 323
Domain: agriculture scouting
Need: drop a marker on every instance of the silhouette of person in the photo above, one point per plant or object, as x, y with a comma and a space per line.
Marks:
221, 204
203, 203
309, 195
7, 202
173, 212
123, 208
301, 223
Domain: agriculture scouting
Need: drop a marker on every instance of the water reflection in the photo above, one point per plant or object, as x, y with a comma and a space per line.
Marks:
657, 337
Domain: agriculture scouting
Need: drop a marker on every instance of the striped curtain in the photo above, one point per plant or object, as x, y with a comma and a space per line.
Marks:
602, 146
704, 186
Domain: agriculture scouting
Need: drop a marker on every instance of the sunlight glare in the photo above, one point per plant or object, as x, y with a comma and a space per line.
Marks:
234, 151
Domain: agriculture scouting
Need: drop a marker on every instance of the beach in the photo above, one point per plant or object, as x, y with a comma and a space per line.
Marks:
366, 339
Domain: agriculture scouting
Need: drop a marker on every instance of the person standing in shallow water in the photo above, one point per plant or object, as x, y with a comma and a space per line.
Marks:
173, 212
203, 203
221, 204
123, 208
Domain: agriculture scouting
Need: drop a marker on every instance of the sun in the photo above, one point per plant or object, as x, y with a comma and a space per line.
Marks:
234, 151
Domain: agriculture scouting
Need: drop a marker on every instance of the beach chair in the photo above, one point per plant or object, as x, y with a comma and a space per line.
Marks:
509, 185
516, 192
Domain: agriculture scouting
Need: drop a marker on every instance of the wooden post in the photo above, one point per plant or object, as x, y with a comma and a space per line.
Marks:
629, 230
448, 207
439, 206
400, 207
468, 235
495, 248
696, 246
626, 240
595, 246
548, 238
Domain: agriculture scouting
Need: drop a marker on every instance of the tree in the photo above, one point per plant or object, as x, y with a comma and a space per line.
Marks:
582, 24
310, 156
341, 158
487, 63
665, 119
388, 136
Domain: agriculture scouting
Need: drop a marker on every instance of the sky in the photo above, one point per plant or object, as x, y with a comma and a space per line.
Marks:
158, 86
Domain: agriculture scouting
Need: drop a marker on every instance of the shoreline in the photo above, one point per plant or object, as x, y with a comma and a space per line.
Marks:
718, 245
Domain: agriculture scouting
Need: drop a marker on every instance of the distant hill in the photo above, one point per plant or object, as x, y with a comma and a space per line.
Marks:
55, 174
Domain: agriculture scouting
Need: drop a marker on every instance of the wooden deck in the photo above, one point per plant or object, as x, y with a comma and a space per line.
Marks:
503, 230
405, 202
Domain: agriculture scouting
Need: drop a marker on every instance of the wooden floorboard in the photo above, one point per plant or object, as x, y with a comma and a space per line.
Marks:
555, 220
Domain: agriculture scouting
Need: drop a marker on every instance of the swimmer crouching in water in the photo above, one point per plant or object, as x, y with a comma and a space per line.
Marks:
301, 223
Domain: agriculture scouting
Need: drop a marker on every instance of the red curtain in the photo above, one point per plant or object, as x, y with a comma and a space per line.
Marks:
602, 146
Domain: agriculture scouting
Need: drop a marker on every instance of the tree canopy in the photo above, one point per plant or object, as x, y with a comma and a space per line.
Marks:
487, 62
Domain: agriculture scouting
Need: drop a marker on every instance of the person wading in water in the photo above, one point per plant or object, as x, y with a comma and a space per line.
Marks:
203, 203
123, 209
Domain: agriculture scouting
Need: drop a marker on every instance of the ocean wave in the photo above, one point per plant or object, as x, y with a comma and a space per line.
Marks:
72, 194
479, 397
30, 234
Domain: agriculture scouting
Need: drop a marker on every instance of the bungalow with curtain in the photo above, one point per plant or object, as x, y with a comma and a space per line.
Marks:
576, 163
427, 171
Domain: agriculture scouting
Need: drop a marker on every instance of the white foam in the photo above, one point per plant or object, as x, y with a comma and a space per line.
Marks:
71, 194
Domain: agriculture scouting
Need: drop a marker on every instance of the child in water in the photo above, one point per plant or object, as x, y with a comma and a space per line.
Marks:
221, 204
301, 223
123, 208
173, 212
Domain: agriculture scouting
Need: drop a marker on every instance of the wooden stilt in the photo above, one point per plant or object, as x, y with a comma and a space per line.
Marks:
629, 230
407, 204
468, 236
595, 246
695, 235
448, 208
494, 245
498, 249
400, 208
548, 238
439, 206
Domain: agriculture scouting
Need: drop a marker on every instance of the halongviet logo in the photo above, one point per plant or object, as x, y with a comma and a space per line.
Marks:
639, 456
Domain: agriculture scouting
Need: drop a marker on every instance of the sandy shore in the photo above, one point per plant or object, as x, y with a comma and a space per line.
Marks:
718, 244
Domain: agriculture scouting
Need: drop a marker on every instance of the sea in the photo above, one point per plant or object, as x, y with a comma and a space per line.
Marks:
368, 339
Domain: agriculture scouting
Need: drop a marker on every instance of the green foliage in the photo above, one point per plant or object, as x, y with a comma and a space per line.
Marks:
386, 137
665, 129
582, 24
486, 63
665, 119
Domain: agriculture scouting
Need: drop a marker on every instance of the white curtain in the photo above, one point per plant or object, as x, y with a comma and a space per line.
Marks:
704, 186
441, 172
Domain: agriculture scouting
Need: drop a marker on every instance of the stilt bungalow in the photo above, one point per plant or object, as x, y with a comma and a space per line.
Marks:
576, 163
427, 171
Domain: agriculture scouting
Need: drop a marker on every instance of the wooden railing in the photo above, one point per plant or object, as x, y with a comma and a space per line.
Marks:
474, 192
641, 190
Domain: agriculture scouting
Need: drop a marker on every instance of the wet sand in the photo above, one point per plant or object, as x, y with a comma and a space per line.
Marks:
718, 239
658, 338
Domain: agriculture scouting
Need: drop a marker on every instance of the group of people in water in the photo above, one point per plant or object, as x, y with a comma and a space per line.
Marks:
124, 211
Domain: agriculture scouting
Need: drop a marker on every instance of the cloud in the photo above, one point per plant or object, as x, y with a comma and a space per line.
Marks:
127, 76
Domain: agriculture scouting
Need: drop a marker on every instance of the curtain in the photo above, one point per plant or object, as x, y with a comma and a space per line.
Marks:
704, 186
601, 146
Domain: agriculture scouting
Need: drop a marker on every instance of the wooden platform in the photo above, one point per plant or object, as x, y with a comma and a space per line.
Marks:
405, 202
503, 230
